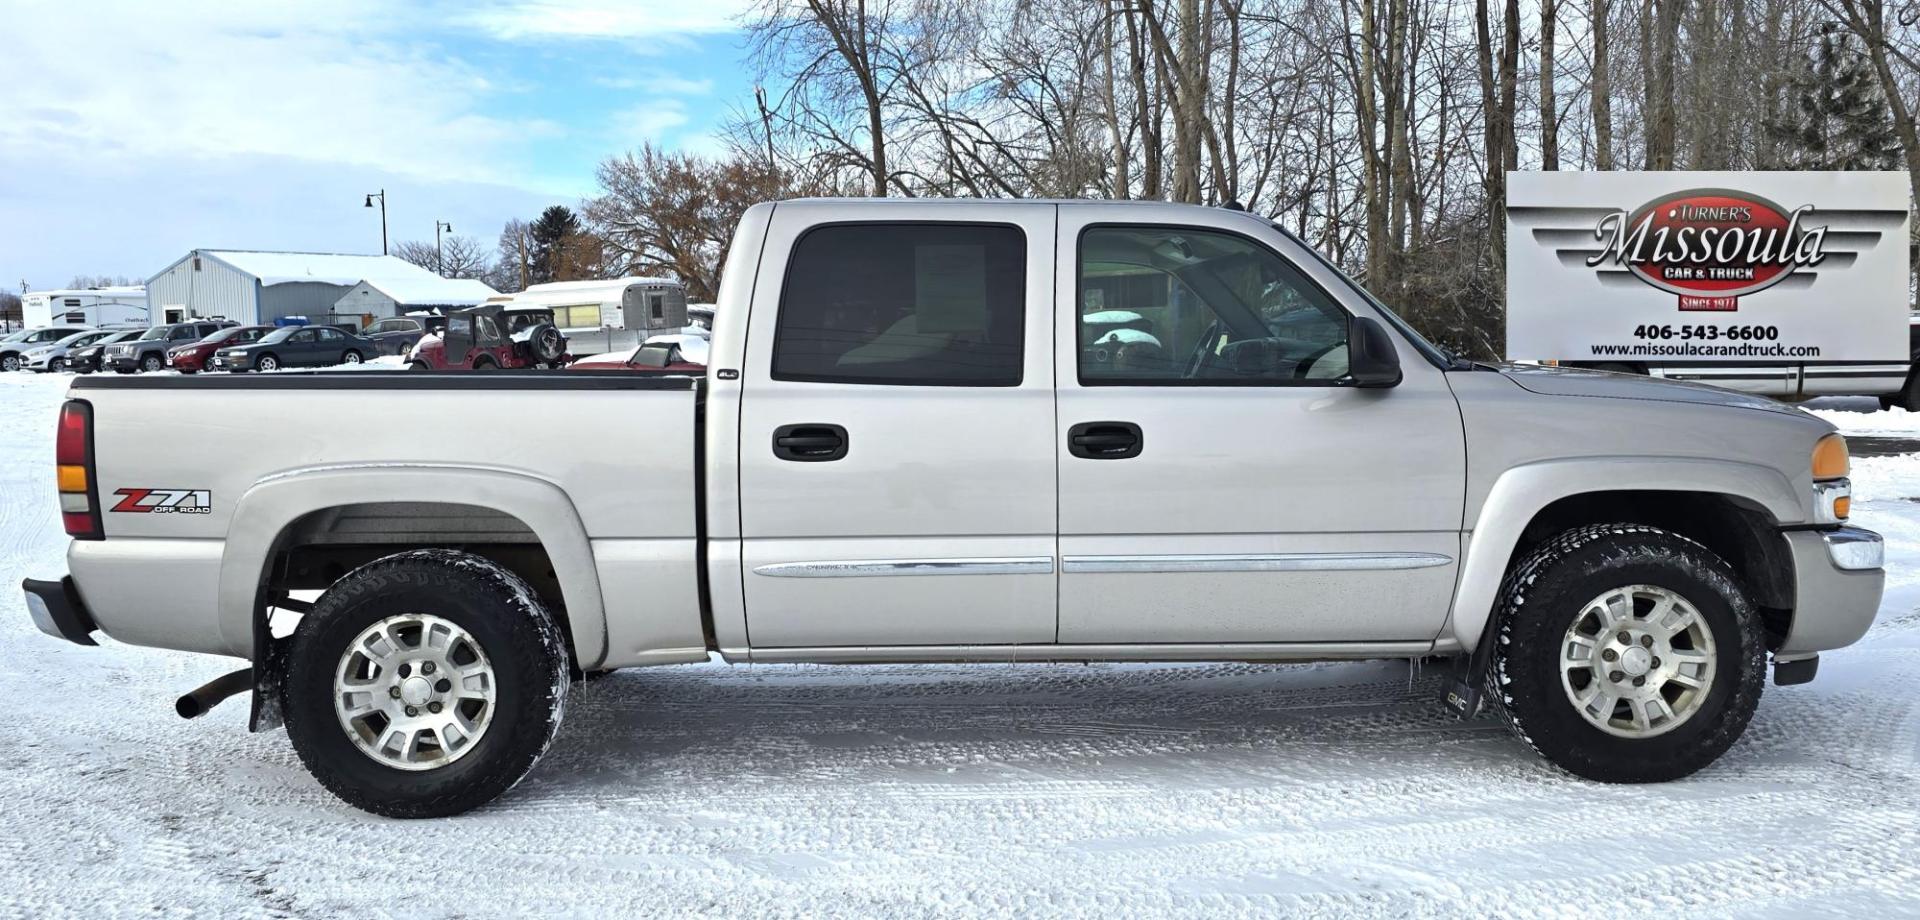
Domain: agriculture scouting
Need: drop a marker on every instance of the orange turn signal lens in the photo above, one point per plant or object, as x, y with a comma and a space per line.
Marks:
1830, 457
72, 478
1841, 506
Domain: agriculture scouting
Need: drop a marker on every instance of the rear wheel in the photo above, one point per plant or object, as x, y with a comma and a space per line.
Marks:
425, 684
419, 366
351, 357
1627, 654
1909, 396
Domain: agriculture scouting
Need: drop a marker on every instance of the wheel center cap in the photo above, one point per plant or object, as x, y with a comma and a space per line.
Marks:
415, 691
1636, 661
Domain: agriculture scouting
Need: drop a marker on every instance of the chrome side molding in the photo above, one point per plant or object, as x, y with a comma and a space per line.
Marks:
1043, 565
1252, 562
872, 568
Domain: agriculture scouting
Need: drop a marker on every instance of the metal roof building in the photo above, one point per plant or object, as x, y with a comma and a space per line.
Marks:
394, 296
260, 287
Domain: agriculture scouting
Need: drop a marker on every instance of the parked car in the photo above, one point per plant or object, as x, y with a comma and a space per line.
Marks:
86, 359
493, 337
296, 346
148, 352
195, 356
13, 346
671, 353
396, 335
911, 459
53, 356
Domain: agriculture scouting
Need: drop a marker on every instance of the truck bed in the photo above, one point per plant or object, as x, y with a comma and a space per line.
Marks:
254, 456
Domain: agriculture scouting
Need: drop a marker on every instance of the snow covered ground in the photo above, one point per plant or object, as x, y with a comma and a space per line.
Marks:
1215, 790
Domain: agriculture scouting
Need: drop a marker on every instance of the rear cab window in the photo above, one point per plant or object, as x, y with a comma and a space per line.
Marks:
904, 304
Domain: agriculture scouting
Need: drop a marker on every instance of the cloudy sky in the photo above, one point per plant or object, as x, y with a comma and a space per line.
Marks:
133, 130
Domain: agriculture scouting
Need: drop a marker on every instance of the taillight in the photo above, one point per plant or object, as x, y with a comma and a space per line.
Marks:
73, 457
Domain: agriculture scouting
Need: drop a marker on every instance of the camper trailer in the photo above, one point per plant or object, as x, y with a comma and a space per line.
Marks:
100, 308
637, 304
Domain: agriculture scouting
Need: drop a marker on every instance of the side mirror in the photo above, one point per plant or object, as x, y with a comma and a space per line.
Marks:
1372, 361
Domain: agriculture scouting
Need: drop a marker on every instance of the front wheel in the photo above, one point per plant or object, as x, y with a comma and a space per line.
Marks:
152, 363
56, 365
351, 357
425, 684
1627, 654
267, 363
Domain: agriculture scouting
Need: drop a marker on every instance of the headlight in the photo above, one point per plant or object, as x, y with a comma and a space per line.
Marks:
1832, 491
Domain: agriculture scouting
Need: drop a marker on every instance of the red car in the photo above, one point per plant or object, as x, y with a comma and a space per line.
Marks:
194, 356
493, 337
674, 354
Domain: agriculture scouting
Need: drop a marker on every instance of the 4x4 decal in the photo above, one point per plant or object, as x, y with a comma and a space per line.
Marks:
164, 501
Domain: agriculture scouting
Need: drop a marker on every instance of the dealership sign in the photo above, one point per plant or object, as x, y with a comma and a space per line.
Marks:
1681, 267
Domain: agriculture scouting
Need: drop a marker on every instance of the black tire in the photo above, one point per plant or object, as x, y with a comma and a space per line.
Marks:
1540, 601
419, 366
485, 364
262, 363
515, 631
151, 363
350, 356
9, 362
545, 343
56, 365
1909, 396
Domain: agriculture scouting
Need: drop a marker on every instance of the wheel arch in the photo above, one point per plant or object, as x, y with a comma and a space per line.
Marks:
1733, 508
533, 520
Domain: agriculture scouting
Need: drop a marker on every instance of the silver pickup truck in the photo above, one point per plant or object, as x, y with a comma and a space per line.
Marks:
965, 431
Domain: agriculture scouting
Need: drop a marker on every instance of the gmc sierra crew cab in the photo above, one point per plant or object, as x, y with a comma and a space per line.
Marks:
922, 436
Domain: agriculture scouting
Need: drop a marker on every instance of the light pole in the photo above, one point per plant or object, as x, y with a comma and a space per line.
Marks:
439, 261
382, 195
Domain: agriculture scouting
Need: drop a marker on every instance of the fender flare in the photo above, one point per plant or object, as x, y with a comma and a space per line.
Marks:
266, 509
1524, 491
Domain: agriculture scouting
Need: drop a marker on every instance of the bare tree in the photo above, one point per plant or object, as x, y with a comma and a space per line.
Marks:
674, 214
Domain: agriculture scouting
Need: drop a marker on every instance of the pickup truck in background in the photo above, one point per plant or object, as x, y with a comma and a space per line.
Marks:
914, 442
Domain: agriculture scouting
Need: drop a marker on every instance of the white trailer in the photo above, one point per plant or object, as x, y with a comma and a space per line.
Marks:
98, 307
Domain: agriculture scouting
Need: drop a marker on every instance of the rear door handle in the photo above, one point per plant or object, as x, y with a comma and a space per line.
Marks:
810, 443
1105, 440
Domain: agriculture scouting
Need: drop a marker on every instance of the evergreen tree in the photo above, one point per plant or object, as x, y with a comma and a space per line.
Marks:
553, 238
1840, 118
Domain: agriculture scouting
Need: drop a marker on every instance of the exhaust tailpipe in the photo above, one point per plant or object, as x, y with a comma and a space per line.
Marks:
216, 691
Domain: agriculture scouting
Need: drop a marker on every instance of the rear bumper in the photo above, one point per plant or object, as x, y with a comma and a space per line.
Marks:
56, 608
1838, 579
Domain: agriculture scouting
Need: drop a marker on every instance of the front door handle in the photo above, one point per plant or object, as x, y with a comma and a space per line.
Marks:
1105, 440
810, 443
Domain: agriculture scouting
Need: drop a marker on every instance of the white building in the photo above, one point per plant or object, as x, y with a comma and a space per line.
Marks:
260, 287
641, 304
395, 296
107, 306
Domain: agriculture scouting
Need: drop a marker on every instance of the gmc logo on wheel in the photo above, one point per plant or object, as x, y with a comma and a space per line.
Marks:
1710, 246
164, 501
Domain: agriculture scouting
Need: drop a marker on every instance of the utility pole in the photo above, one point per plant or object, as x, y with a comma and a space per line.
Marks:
766, 120
382, 195
439, 261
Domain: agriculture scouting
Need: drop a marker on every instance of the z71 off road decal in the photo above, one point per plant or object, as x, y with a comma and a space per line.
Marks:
164, 501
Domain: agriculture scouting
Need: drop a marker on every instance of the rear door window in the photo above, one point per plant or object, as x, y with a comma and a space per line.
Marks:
904, 304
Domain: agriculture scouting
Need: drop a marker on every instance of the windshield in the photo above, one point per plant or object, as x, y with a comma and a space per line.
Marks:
157, 332
20, 336
75, 338
120, 337
280, 334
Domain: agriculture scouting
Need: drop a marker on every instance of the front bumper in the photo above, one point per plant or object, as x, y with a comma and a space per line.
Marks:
1838, 579
56, 608
122, 363
220, 362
